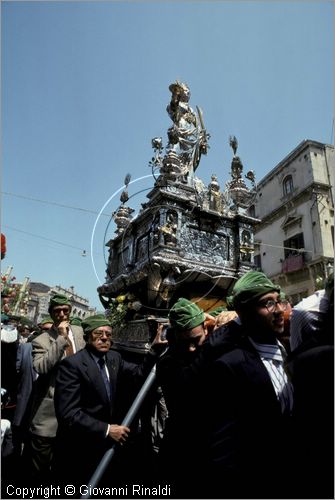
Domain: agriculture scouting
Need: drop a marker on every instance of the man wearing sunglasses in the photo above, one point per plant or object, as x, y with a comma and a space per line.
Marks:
59, 341
250, 399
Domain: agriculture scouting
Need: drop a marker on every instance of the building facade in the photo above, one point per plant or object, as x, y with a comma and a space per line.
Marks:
294, 242
39, 298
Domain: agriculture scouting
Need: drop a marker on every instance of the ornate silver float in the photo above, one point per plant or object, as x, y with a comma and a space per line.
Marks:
187, 240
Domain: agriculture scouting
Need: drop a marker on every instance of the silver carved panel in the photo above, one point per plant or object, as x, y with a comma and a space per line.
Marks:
202, 245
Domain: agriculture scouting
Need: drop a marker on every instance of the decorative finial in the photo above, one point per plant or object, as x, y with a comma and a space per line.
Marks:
124, 195
127, 180
250, 176
233, 143
157, 143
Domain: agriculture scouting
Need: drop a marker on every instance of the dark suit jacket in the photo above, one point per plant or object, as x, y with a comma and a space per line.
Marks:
181, 376
179, 450
83, 409
248, 438
26, 378
312, 367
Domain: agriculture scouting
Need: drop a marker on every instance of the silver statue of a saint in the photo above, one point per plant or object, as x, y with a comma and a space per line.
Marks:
187, 136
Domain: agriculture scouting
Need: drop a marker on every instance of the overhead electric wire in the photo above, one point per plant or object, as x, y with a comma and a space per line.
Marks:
44, 238
284, 248
107, 215
47, 202
53, 203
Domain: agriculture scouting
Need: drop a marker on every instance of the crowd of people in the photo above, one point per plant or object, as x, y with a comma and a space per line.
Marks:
247, 392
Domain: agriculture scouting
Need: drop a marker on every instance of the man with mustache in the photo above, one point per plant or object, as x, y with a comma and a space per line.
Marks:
48, 349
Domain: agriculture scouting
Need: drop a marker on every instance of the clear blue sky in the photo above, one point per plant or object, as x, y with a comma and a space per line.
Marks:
85, 88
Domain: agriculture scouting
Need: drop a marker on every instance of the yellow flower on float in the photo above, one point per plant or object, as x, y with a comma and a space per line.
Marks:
120, 298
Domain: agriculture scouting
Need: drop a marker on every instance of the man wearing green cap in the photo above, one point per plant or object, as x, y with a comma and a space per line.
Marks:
249, 398
48, 349
88, 399
46, 324
180, 450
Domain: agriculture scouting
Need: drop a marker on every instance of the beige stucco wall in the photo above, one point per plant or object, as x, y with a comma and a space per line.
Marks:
314, 165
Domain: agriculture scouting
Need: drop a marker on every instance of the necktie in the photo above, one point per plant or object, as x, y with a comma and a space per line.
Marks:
102, 367
69, 349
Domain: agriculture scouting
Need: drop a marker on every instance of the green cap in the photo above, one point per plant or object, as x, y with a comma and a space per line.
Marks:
93, 322
185, 315
75, 321
14, 317
4, 317
250, 286
48, 319
215, 312
59, 300
26, 321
